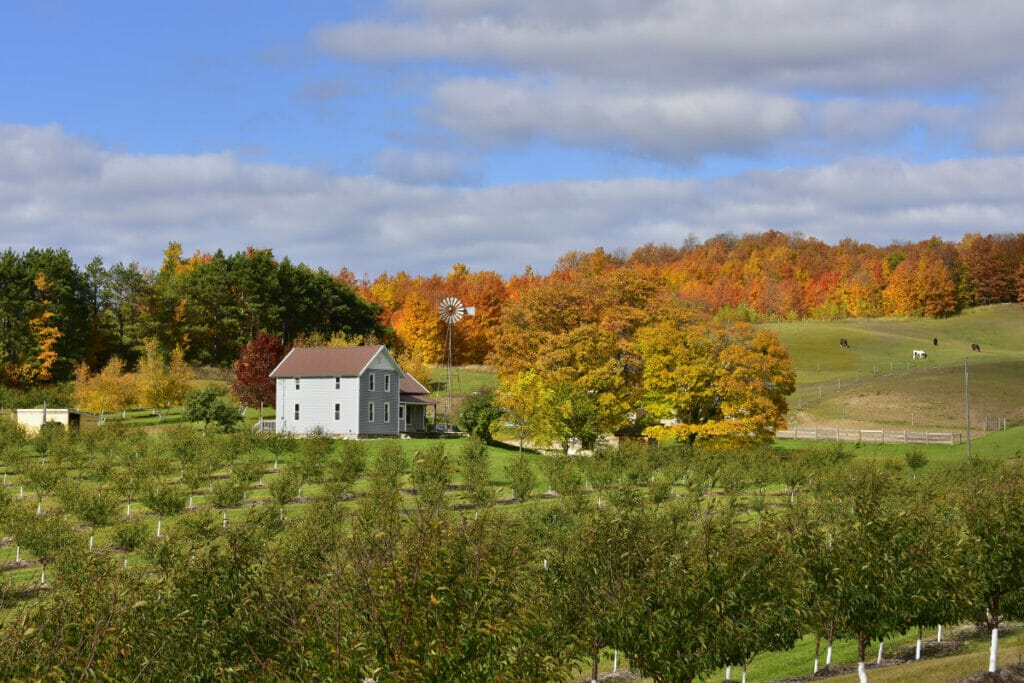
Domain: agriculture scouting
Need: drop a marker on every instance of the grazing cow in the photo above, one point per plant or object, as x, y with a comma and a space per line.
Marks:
975, 347
935, 341
918, 353
843, 343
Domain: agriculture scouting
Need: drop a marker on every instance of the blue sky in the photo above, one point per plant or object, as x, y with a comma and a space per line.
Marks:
413, 134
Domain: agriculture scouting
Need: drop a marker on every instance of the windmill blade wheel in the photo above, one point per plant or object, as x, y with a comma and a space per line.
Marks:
451, 310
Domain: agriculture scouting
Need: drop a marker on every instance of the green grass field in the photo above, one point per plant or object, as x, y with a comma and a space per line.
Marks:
876, 382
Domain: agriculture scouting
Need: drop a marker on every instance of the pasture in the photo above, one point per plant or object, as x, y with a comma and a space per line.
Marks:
876, 381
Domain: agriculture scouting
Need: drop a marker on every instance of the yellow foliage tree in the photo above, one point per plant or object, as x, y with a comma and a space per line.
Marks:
419, 329
46, 336
526, 400
724, 383
162, 384
107, 391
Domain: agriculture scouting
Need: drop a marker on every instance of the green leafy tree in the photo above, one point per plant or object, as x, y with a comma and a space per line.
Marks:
342, 472
431, 474
522, 478
475, 465
995, 521
477, 413
209, 405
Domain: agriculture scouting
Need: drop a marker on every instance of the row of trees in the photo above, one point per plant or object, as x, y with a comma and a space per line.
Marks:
673, 556
54, 315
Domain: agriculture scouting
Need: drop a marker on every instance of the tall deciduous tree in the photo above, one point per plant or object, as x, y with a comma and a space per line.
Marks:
163, 384
252, 383
712, 380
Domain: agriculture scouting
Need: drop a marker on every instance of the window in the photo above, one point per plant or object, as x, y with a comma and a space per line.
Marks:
387, 412
337, 411
337, 383
387, 382
401, 413
371, 381
369, 412
296, 411
296, 382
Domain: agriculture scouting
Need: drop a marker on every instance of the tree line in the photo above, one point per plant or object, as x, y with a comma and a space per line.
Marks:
403, 568
54, 314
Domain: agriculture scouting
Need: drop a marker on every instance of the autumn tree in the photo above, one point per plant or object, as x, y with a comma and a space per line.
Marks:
110, 390
163, 383
46, 335
707, 380
252, 383
525, 400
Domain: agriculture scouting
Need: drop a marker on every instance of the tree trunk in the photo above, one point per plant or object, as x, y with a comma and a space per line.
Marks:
939, 637
597, 657
817, 653
993, 650
881, 644
917, 654
862, 644
828, 653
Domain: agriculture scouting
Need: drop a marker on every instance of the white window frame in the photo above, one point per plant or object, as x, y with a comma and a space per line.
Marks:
372, 383
369, 412
296, 412
296, 384
387, 412
387, 382
337, 411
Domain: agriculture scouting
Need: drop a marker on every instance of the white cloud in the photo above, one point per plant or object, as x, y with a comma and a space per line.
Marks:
865, 46
417, 167
67, 192
668, 126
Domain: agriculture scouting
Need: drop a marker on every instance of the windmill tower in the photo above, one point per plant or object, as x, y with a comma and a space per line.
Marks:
451, 311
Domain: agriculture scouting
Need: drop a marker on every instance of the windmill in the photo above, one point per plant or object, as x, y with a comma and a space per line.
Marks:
451, 311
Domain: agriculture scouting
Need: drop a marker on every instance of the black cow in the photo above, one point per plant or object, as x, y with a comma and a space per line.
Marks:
935, 341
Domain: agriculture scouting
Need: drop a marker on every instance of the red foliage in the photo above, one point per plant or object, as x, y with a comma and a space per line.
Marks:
252, 383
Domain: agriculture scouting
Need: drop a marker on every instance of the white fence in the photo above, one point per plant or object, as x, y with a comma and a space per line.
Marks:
872, 436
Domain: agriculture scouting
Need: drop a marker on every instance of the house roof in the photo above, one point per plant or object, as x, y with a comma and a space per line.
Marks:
414, 399
324, 361
410, 385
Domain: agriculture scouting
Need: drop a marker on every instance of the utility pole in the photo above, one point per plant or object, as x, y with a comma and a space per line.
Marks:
967, 401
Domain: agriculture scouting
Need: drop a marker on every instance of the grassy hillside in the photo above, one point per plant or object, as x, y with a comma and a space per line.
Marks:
876, 381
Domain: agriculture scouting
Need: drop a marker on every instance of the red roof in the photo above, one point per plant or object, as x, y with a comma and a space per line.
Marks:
323, 361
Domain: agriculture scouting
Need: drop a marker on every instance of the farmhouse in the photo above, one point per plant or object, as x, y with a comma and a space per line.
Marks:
352, 391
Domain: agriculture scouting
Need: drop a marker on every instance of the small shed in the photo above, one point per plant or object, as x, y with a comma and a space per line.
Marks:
32, 419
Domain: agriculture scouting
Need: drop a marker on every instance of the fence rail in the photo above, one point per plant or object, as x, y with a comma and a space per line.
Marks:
872, 436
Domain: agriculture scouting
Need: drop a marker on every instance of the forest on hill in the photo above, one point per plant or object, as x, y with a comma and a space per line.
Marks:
55, 315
